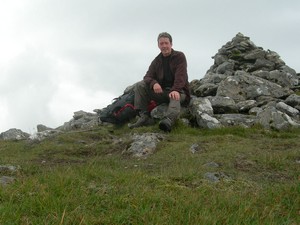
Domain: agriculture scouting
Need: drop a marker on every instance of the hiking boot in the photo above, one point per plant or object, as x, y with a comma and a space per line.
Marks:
166, 124
144, 120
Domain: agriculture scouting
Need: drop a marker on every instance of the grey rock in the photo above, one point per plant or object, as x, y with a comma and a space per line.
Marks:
216, 177
213, 78
242, 120
219, 59
194, 148
222, 105
40, 136
144, 145
5, 180
41, 128
81, 120
280, 77
4, 169
274, 57
206, 89
243, 87
288, 69
245, 106
281, 106
14, 134
225, 67
206, 121
255, 54
201, 105
159, 111
293, 100
255, 110
284, 79
271, 118
262, 64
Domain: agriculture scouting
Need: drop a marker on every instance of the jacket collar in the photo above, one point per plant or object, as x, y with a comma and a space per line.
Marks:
173, 52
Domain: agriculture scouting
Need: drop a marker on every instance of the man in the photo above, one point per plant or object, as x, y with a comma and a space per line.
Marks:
166, 81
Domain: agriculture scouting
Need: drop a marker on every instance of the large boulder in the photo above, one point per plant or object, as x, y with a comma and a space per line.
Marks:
271, 118
293, 100
14, 134
202, 111
80, 120
143, 145
243, 86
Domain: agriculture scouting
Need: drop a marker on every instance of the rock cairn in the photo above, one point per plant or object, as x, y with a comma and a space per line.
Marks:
246, 85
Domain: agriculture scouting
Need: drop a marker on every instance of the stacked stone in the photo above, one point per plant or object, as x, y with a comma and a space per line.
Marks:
246, 85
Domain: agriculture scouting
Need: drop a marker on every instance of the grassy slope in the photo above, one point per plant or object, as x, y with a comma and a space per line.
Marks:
83, 178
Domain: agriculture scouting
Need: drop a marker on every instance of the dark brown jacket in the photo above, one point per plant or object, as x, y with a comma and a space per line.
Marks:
178, 67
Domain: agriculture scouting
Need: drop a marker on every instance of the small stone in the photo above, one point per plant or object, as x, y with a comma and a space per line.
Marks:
194, 148
5, 180
216, 176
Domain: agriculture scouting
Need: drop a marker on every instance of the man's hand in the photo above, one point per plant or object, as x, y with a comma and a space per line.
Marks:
174, 95
157, 88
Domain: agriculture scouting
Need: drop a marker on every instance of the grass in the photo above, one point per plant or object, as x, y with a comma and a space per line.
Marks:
84, 178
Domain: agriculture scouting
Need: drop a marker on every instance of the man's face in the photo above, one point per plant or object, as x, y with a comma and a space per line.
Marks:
165, 46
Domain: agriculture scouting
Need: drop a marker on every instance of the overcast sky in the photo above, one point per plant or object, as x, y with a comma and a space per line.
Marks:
62, 56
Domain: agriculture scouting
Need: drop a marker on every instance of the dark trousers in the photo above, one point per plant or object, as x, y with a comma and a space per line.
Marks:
143, 96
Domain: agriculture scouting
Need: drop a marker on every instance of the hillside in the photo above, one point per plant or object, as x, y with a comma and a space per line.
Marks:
196, 176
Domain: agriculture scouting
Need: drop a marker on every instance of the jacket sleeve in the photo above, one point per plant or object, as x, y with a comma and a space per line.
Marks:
151, 75
180, 75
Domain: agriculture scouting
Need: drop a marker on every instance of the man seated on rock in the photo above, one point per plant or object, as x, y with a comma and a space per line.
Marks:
166, 81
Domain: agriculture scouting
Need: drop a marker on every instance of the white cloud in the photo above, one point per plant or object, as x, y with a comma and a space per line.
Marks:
58, 57
70, 98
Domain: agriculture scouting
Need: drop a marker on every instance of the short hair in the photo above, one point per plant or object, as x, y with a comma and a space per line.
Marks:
164, 35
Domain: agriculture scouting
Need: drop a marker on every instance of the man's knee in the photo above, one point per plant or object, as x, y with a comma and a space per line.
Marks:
140, 85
